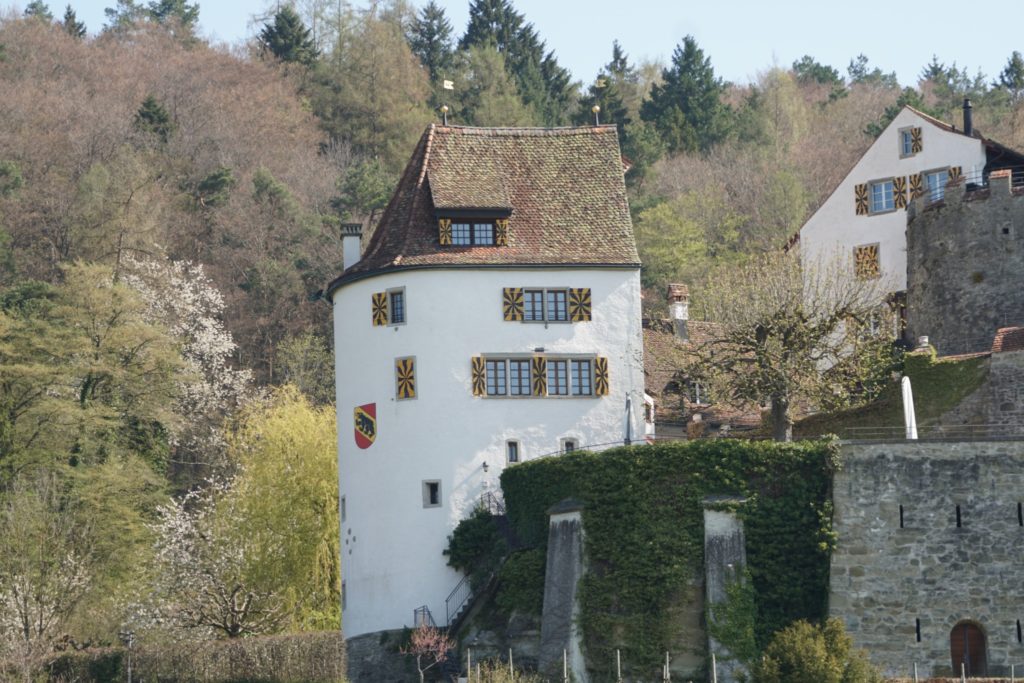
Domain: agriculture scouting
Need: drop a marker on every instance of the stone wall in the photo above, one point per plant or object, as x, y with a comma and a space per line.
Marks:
965, 267
890, 580
996, 408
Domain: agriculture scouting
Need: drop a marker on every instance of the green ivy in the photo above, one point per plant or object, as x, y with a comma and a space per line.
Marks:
645, 535
521, 583
476, 547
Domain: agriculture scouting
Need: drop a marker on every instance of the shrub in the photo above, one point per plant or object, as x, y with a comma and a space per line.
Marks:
476, 547
804, 653
521, 582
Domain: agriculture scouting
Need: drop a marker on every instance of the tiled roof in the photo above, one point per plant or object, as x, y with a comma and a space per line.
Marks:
564, 186
1008, 339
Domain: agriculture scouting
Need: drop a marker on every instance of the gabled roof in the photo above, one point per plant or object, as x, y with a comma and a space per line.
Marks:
564, 188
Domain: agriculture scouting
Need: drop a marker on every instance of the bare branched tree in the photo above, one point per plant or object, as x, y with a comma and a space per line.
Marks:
429, 645
815, 336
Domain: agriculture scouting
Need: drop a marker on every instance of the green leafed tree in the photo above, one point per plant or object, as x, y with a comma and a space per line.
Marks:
37, 9
1011, 78
860, 72
805, 653
364, 190
288, 39
686, 107
485, 92
809, 70
153, 118
430, 38
72, 26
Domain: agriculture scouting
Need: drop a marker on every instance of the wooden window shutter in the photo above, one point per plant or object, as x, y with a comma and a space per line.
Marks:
915, 140
955, 172
380, 308
916, 185
860, 193
512, 303
478, 376
405, 378
501, 232
865, 262
601, 376
579, 305
444, 231
899, 192
539, 379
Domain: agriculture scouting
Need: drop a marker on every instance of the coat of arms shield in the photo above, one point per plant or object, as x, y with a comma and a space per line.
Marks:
365, 419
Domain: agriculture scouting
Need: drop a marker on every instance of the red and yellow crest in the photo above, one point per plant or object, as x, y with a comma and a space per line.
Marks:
365, 419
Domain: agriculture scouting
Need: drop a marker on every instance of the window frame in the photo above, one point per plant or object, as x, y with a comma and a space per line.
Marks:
473, 228
568, 444
906, 142
426, 490
891, 206
545, 305
390, 294
519, 380
943, 174
510, 457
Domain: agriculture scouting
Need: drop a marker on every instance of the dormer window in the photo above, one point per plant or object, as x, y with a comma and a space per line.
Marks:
468, 230
465, 234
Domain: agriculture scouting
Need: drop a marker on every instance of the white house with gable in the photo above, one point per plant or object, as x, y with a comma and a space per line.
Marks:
864, 219
494, 318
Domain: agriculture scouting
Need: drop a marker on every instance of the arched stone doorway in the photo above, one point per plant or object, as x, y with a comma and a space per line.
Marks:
967, 647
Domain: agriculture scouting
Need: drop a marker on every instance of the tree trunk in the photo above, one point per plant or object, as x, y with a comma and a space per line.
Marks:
782, 423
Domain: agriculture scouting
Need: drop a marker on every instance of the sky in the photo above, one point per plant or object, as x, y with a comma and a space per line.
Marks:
742, 37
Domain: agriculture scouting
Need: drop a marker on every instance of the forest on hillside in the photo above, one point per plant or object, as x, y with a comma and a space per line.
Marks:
169, 210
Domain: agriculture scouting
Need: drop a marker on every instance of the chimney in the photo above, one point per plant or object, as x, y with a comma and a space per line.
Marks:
679, 309
351, 244
968, 118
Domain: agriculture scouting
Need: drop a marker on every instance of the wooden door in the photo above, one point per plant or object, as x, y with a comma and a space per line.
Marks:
967, 647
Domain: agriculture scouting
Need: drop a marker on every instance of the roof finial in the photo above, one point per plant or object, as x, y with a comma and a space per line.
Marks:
444, 113
597, 114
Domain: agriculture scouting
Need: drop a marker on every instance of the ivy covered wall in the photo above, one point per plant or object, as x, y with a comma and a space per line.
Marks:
644, 529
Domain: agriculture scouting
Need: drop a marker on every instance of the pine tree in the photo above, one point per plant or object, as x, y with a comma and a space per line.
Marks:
809, 70
288, 39
430, 39
39, 10
153, 118
165, 11
71, 25
686, 108
1011, 78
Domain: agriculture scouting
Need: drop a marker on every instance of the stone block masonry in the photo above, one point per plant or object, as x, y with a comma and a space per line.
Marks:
965, 266
931, 537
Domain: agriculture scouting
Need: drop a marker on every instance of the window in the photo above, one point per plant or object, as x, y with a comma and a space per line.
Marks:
465, 234
546, 305
432, 493
343, 515
935, 185
569, 445
881, 196
558, 384
511, 451
907, 147
396, 309
580, 378
519, 377
405, 378
344, 596
699, 394
496, 384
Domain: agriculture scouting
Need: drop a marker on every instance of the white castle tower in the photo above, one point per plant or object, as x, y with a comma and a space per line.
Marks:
494, 318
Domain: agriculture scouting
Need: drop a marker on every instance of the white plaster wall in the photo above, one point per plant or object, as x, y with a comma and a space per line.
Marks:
392, 546
835, 229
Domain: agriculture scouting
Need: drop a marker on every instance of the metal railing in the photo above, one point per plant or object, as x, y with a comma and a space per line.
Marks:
492, 503
457, 600
421, 616
972, 180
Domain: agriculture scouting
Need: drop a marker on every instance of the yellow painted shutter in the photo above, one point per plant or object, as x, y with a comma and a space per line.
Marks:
954, 174
501, 232
380, 308
478, 376
539, 372
444, 230
405, 378
512, 303
601, 376
865, 261
916, 185
916, 145
899, 192
579, 305
860, 193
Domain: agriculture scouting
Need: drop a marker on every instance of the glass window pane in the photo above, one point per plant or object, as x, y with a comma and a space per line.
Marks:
936, 185
557, 310
881, 196
495, 378
557, 378
513, 451
461, 233
483, 233
533, 305
519, 374
581, 378
397, 308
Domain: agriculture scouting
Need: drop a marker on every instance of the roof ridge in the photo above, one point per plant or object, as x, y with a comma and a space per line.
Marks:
528, 131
